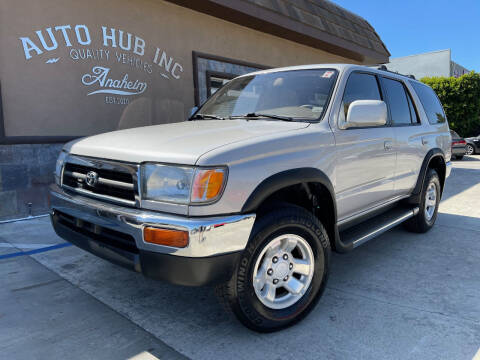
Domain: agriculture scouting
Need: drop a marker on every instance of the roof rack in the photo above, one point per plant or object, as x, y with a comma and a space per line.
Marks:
384, 68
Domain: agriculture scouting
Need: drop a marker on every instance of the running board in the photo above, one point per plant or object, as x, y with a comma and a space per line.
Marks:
376, 226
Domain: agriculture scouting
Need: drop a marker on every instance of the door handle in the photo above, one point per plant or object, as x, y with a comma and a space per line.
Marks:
388, 145
424, 141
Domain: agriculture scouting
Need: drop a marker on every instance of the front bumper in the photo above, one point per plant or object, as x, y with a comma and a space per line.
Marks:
115, 233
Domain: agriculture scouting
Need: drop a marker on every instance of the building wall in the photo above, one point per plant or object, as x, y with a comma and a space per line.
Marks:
48, 94
61, 87
26, 171
457, 70
422, 65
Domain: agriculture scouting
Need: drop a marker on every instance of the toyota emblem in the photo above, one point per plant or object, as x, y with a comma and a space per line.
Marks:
92, 178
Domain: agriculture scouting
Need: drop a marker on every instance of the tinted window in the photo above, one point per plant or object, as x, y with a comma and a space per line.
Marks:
397, 102
360, 87
430, 103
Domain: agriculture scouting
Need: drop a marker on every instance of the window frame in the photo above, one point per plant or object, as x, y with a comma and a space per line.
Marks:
382, 98
415, 110
409, 96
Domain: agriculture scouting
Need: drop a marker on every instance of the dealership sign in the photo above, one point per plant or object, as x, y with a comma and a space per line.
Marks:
99, 76
117, 47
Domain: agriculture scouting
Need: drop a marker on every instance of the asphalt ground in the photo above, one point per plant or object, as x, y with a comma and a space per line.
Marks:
399, 296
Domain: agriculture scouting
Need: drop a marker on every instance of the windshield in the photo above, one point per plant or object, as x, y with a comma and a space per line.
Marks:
296, 95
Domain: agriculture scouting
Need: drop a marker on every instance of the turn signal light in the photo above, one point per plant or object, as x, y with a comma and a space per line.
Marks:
207, 184
166, 237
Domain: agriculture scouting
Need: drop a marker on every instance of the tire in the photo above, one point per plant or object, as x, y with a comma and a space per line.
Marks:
469, 150
286, 225
425, 219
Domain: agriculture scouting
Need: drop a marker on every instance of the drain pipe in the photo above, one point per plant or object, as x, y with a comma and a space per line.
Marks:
22, 219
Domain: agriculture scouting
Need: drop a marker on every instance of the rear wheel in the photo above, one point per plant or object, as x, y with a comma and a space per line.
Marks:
282, 272
428, 206
469, 150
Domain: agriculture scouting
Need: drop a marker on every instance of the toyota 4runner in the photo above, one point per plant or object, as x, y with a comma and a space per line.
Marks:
275, 170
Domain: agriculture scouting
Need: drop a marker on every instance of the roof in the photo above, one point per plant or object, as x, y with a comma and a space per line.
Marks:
339, 67
317, 23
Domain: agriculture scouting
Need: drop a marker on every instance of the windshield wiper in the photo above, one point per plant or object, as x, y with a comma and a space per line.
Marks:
206, 116
260, 115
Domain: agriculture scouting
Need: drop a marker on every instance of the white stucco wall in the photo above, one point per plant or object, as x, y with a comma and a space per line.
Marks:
435, 63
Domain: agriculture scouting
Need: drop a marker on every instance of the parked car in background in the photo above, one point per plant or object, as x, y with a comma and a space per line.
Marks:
473, 145
458, 146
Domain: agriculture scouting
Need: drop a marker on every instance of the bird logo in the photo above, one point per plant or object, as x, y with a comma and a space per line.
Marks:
52, 61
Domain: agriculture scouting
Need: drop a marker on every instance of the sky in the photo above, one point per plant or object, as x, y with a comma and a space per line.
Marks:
410, 27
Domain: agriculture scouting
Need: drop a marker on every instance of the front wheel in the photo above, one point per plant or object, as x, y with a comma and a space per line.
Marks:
282, 272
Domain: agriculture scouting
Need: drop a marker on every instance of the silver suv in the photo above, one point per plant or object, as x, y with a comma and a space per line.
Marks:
274, 171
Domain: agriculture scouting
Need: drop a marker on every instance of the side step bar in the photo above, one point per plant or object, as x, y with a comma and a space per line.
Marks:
372, 228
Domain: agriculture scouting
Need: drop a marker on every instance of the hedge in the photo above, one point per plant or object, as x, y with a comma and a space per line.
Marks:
460, 98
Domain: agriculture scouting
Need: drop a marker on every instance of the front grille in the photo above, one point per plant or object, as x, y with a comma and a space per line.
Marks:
98, 233
114, 182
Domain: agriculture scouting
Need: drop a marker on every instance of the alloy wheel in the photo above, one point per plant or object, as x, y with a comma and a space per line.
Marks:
469, 150
430, 201
283, 271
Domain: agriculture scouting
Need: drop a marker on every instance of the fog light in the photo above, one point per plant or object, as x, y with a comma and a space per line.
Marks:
166, 237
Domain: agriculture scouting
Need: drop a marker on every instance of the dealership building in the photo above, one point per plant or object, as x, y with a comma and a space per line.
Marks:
76, 68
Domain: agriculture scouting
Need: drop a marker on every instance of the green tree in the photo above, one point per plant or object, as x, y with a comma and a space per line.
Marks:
460, 98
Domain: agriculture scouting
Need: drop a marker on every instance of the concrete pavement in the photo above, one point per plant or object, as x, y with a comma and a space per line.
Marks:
400, 296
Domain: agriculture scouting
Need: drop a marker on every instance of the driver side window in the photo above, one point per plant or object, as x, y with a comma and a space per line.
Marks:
360, 86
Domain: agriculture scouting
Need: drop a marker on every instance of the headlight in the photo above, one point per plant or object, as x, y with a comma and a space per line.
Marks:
59, 167
167, 183
181, 185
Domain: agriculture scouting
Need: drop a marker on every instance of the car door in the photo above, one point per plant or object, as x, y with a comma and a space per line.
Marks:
408, 136
365, 158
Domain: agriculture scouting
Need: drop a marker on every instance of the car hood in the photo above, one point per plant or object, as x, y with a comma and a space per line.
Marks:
181, 143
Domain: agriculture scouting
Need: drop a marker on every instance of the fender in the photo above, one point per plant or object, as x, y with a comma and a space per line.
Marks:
433, 153
283, 179
294, 177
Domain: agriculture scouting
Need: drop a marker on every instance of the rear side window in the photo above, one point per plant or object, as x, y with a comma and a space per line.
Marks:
430, 103
360, 87
398, 102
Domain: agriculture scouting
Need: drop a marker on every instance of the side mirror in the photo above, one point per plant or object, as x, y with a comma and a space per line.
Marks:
193, 110
366, 113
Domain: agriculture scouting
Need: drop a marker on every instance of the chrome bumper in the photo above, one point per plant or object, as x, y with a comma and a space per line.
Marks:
210, 236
